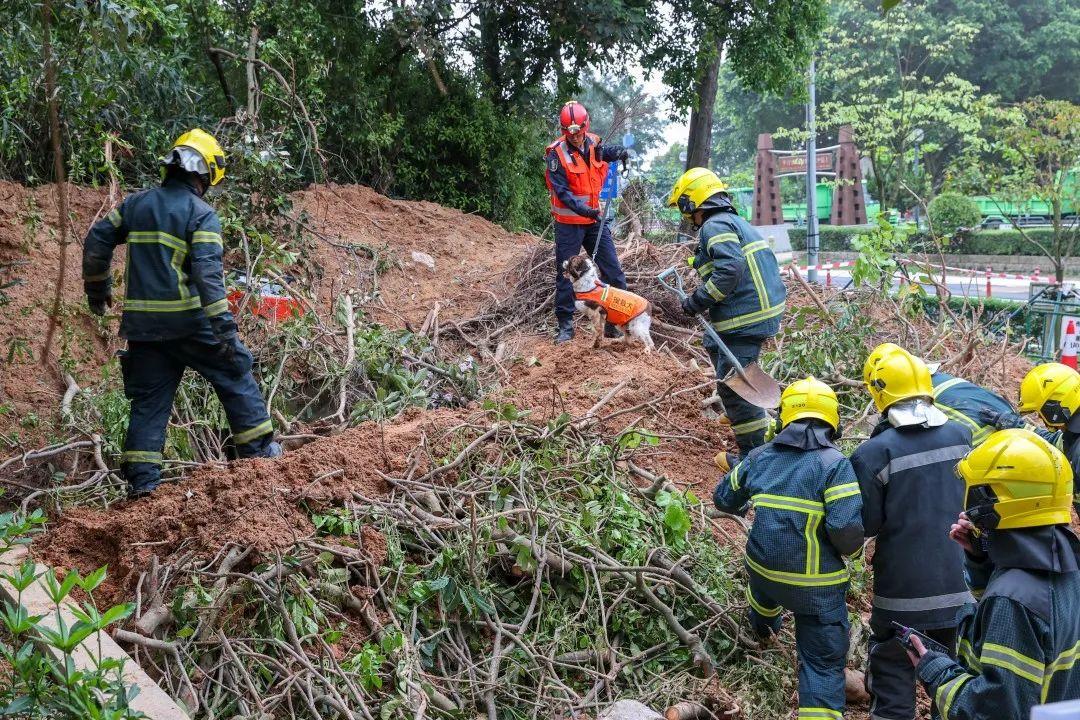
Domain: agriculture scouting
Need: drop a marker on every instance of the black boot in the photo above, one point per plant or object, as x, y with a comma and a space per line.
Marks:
566, 330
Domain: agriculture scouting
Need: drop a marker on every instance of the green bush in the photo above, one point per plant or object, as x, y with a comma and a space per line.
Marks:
982, 242
950, 212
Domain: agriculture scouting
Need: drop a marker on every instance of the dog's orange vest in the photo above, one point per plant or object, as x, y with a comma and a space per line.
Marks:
622, 305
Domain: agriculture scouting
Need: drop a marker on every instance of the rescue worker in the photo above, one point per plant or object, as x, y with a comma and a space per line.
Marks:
1053, 391
1020, 645
806, 518
980, 410
910, 499
577, 164
740, 289
175, 312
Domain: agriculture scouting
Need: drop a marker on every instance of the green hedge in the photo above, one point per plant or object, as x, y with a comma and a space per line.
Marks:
983, 242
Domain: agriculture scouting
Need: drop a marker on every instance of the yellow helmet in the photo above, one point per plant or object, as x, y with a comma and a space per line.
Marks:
1053, 391
208, 149
809, 398
693, 188
875, 357
897, 376
1015, 480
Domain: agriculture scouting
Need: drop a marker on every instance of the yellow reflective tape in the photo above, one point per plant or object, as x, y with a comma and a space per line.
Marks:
1017, 663
141, 456
157, 238
722, 237
813, 550
749, 318
841, 491
967, 653
191, 303
713, 291
817, 713
115, 218
755, 247
750, 426
1064, 661
604, 293
733, 478
181, 277
258, 431
96, 278
958, 417
705, 269
947, 385
799, 579
947, 692
759, 284
216, 308
761, 609
786, 502
204, 236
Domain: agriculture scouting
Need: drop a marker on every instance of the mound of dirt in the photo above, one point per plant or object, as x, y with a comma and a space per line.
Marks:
252, 503
434, 253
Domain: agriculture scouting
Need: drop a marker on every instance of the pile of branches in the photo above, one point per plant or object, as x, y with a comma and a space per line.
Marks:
525, 573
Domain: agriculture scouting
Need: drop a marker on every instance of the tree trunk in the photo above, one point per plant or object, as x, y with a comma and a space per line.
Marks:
252, 76
699, 141
58, 170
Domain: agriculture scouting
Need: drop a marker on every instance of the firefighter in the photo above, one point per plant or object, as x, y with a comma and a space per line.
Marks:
980, 410
1053, 391
577, 164
740, 289
806, 518
910, 499
1020, 645
175, 312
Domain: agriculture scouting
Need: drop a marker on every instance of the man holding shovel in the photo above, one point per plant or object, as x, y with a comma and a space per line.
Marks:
740, 289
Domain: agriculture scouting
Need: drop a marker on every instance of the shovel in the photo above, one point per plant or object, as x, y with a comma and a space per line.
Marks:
751, 383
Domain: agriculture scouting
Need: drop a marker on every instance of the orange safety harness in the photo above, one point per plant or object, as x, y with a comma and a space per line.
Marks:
622, 306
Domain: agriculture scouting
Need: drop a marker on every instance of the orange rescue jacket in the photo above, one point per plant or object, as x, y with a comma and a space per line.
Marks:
622, 305
585, 180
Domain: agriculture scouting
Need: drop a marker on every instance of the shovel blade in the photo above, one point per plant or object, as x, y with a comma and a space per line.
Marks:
754, 386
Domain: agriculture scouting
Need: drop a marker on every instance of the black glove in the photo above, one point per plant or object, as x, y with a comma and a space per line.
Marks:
98, 303
690, 306
1000, 420
625, 156
593, 213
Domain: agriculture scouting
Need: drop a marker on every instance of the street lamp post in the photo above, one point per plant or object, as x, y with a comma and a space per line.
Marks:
811, 181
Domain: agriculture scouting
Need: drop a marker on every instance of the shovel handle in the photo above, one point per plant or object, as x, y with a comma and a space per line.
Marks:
677, 288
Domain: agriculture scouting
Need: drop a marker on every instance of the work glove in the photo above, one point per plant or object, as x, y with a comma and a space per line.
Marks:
593, 213
1000, 420
625, 156
690, 306
771, 429
98, 303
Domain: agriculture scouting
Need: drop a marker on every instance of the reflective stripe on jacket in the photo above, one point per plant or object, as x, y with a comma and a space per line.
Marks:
740, 278
622, 306
962, 400
585, 179
911, 496
1020, 646
174, 280
804, 502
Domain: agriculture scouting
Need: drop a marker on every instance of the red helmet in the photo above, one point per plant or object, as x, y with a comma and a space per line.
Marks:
574, 118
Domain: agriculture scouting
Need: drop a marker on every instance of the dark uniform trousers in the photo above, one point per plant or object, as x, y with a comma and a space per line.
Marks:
152, 373
891, 677
748, 421
569, 240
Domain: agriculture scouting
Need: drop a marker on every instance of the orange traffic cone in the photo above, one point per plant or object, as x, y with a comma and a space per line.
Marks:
1068, 346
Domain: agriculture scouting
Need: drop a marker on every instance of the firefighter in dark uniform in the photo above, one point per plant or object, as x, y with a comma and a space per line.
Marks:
577, 164
740, 289
910, 499
175, 312
1020, 646
806, 518
980, 410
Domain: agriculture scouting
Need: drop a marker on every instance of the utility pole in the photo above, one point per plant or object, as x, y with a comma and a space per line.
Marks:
811, 180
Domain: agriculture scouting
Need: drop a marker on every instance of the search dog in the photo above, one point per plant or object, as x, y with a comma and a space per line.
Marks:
629, 312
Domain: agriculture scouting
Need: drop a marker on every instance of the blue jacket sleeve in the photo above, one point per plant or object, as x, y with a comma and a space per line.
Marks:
872, 490
557, 176
843, 508
98, 249
611, 153
208, 273
732, 494
728, 265
1011, 667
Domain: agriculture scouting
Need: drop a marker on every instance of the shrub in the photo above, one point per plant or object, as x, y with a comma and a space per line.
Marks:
982, 242
952, 212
